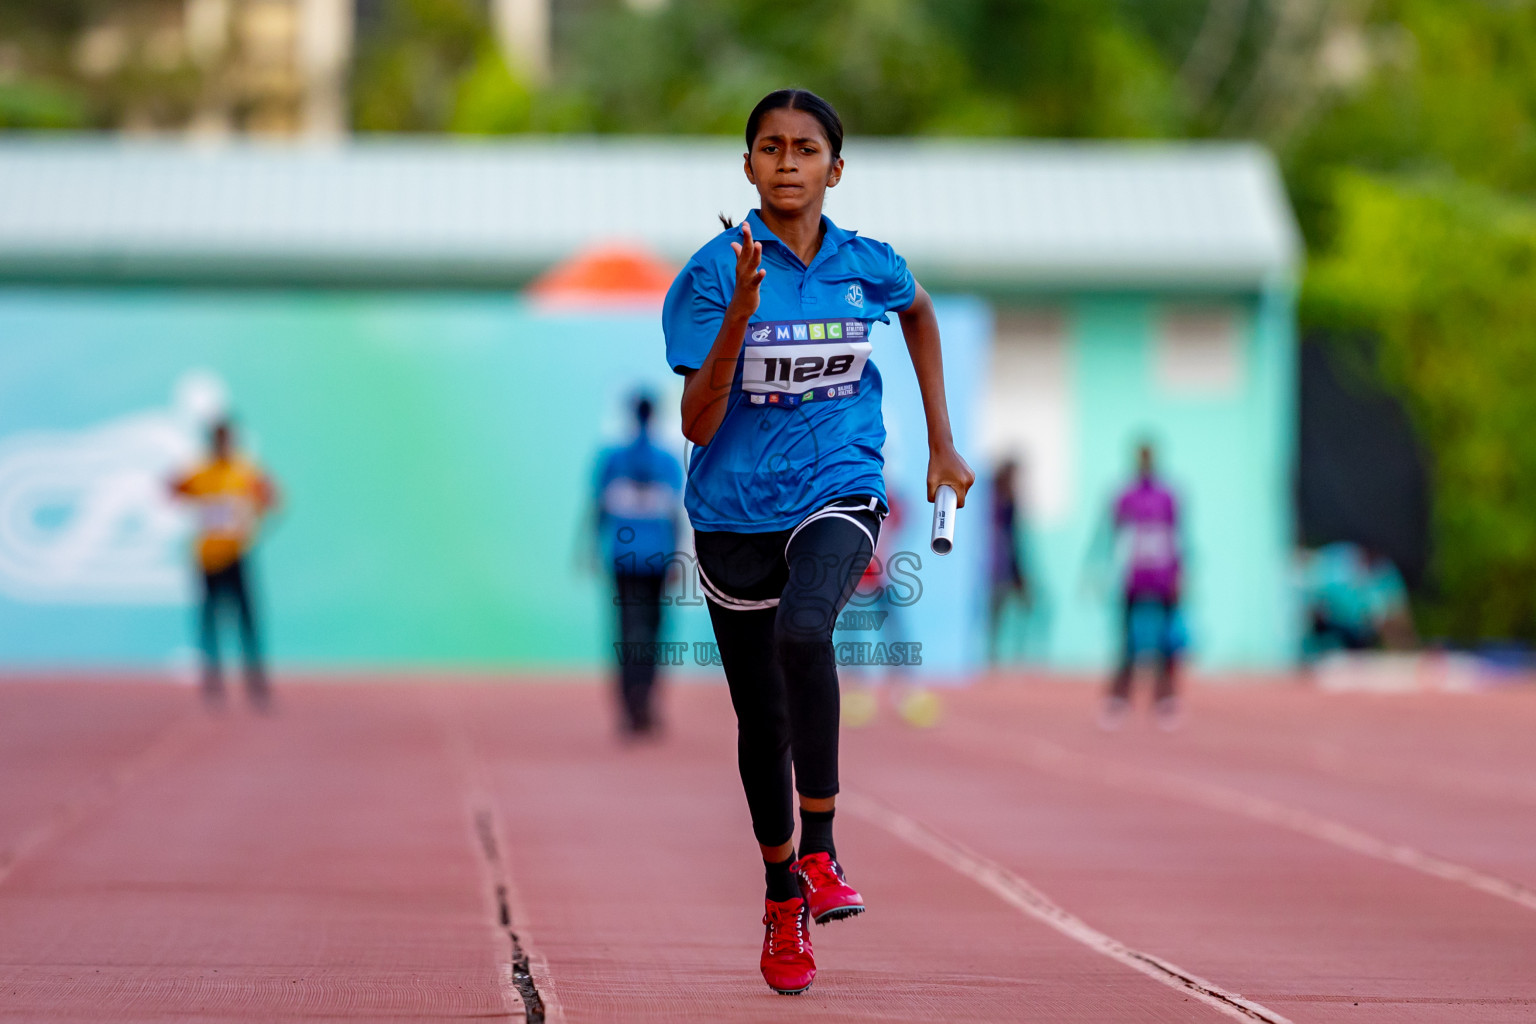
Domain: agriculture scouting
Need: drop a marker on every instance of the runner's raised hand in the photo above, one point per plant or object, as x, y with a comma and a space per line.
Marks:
749, 272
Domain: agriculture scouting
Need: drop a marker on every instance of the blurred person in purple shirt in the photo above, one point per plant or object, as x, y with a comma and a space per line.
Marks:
1145, 519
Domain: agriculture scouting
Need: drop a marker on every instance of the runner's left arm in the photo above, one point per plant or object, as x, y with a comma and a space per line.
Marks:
920, 326
594, 519
267, 497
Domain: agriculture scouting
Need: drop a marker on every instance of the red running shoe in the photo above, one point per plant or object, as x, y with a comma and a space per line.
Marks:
789, 967
827, 892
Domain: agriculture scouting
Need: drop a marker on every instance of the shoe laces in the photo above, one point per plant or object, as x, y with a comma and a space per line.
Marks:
786, 928
819, 873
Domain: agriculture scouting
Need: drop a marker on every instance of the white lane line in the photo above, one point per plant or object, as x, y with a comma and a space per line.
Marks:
1051, 757
99, 795
1018, 893
1333, 758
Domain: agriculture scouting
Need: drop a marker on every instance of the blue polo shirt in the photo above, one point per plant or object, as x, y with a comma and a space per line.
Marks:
802, 425
637, 487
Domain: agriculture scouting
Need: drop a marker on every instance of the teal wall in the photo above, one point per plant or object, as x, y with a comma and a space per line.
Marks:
433, 449
1227, 454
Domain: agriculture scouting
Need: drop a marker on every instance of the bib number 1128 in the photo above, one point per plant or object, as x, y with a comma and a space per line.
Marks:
806, 368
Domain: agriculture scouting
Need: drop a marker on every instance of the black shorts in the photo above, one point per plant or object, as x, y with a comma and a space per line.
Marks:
749, 571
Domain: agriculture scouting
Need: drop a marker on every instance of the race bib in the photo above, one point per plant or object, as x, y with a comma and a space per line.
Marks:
1154, 546
635, 499
225, 516
788, 362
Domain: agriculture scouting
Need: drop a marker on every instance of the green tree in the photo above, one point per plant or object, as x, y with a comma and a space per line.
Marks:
1443, 275
1406, 130
412, 62
1417, 189
51, 78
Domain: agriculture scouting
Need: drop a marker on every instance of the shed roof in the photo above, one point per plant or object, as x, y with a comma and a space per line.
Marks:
982, 214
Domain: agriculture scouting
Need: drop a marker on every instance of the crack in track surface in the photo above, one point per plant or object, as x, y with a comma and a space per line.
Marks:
522, 973
1018, 893
517, 974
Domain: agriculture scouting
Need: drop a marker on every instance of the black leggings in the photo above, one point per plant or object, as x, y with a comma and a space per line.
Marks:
638, 597
1167, 657
228, 585
774, 599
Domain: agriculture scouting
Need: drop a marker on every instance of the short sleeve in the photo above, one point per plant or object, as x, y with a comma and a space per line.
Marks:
674, 473
602, 472
691, 316
196, 483
1391, 593
899, 286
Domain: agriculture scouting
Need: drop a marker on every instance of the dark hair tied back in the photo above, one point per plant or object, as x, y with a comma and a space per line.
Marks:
798, 99
795, 99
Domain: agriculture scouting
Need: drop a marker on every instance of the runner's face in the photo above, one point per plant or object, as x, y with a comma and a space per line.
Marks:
791, 162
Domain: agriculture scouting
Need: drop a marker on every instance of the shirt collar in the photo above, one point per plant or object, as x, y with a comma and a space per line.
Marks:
831, 241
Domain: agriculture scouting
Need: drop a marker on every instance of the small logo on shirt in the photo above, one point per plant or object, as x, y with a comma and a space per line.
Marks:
761, 334
834, 330
781, 333
800, 332
831, 392
759, 399
855, 295
773, 399
818, 332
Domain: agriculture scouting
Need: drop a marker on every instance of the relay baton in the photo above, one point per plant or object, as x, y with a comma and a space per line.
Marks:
943, 520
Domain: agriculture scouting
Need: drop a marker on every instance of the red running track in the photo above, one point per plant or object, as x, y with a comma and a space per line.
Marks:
1287, 856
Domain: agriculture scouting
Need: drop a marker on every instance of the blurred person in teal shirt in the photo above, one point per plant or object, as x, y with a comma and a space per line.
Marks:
1356, 600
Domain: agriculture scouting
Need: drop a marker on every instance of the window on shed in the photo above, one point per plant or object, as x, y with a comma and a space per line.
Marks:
1198, 352
1027, 408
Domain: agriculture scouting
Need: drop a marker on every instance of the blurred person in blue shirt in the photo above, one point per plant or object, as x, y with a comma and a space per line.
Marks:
638, 491
1356, 600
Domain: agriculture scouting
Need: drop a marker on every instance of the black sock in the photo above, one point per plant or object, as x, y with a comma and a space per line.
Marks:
816, 833
781, 881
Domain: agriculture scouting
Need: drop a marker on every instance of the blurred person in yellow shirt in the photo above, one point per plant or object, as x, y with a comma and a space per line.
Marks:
231, 494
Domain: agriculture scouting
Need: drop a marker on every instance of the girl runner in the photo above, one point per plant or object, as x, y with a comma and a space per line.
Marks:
769, 325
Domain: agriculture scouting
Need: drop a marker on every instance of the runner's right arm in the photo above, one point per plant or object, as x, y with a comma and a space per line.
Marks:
707, 390
1099, 561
